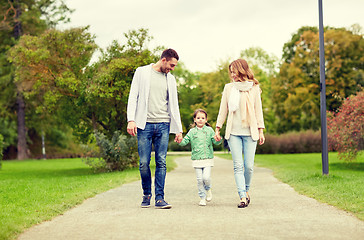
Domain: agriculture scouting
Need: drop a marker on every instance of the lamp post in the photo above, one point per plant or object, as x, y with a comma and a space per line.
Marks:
324, 154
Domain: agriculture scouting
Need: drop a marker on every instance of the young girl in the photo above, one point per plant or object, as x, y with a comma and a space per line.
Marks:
201, 137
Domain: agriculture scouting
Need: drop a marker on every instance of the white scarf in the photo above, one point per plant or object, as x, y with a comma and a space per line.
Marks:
239, 94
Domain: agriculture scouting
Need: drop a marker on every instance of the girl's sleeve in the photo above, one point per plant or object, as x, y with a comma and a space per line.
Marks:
186, 139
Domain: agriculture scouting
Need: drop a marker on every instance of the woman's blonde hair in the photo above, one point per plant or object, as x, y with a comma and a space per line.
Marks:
242, 70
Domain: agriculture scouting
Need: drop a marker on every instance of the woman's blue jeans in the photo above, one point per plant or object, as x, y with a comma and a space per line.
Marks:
243, 168
158, 135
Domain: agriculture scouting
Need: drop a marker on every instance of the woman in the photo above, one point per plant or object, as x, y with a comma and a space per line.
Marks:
241, 103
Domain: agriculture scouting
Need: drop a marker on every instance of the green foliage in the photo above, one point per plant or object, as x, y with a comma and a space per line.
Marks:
204, 90
8, 131
189, 93
173, 146
212, 85
50, 65
346, 128
22, 17
265, 68
1, 149
296, 91
116, 154
49, 72
33, 15
106, 85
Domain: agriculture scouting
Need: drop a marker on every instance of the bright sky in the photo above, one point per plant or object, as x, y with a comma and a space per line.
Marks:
204, 32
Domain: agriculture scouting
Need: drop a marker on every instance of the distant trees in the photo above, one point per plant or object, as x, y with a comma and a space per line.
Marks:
265, 67
204, 91
59, 85
53, 72
296, 90
49, 72
21, 17
107, 84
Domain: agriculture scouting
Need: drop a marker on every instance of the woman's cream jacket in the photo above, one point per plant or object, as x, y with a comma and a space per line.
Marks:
257, 109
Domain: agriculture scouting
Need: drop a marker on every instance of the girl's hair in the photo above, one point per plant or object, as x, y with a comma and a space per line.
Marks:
242, 70
195, 114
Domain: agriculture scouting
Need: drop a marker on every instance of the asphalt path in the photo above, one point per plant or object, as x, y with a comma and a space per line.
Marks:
276, 212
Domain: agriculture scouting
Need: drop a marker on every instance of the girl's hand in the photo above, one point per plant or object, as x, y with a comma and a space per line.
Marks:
261, 136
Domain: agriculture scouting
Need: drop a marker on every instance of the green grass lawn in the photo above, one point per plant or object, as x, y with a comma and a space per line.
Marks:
33, 191
343, 187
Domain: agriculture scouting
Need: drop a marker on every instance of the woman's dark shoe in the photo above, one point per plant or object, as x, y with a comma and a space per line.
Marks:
242, 205
248, 200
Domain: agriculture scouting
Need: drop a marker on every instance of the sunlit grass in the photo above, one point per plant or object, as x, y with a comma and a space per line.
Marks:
33, 191
343, 187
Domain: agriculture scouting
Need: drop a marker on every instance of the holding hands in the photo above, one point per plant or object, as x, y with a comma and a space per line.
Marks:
217, 136
178, 138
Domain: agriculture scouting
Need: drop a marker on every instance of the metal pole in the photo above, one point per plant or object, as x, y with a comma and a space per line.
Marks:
324, 155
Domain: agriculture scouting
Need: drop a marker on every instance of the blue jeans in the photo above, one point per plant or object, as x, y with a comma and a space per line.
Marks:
243, 168
158, 135
203, 176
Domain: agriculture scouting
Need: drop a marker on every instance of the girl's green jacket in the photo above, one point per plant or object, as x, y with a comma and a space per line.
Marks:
201, 142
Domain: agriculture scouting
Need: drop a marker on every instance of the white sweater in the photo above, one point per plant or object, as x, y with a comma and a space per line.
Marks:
138, 99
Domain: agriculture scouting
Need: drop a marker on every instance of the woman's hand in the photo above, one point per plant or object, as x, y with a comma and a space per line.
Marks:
261, 136
217, 136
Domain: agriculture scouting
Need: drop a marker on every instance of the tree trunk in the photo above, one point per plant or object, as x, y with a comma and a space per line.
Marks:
22, 134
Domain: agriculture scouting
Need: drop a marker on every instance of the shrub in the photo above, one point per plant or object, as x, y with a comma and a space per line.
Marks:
293, 142
117, 154
1, 149
346, 128
173, 146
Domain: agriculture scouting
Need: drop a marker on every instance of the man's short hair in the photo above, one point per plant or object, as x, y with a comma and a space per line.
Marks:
169, 54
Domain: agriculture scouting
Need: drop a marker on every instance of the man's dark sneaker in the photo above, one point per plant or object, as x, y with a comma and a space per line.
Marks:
146, 201
162, 204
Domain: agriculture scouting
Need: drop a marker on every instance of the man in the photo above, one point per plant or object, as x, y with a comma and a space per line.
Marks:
153, 113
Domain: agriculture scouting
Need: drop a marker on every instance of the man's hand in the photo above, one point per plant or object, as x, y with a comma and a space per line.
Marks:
132, 128
178, 138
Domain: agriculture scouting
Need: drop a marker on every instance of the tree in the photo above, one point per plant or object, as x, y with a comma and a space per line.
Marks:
296, 91
22, 17
189, 93
105, 91
346, 129
265, 67
212, 85
49, 70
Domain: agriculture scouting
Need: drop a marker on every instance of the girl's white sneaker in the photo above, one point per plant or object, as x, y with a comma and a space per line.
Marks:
202, 202
209, 195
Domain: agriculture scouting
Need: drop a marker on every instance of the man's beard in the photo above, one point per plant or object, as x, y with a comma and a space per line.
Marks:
163, 70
